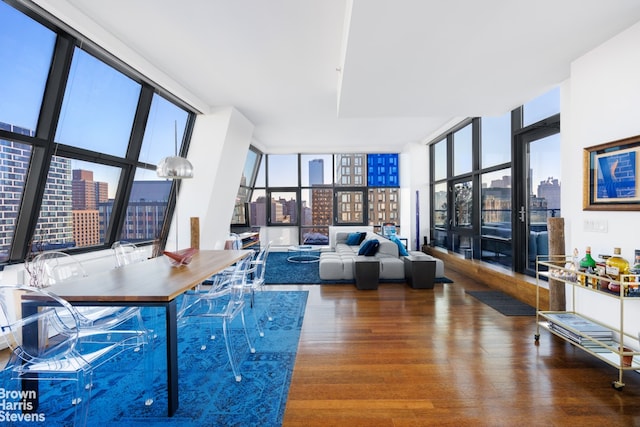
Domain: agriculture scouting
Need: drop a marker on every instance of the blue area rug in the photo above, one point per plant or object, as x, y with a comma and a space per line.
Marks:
209, 394
282, 272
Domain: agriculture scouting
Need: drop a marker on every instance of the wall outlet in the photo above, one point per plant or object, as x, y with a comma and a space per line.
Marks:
596, 225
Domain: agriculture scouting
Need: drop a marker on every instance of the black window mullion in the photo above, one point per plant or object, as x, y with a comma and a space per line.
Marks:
120, 201
41, 154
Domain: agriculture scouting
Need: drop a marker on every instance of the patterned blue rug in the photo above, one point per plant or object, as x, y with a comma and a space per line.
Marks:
280, 271
209, 394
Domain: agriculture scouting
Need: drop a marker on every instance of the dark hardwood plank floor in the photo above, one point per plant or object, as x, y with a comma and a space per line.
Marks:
407, 357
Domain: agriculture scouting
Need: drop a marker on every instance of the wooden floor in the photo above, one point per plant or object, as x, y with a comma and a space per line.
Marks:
404, 357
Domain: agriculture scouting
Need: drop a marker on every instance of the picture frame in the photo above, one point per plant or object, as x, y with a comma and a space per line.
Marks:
611, 176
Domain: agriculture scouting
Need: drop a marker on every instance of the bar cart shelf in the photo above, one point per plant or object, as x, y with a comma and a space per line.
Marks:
607, 342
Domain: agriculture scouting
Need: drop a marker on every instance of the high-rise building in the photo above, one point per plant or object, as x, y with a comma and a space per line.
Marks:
549, 190
86, 194
145, 211
316, 172
86, 227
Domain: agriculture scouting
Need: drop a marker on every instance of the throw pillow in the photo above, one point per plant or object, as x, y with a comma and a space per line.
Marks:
369, 247
353, 239
363, 235
401, 249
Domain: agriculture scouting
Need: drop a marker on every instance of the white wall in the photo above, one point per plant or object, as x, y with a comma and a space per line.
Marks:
414, 176
603, 105
600, 103
218, 151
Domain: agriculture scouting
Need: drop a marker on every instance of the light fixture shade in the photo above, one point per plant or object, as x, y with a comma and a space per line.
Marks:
175, 167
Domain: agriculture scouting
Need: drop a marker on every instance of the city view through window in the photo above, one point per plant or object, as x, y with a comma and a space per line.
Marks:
340, 189
79, 143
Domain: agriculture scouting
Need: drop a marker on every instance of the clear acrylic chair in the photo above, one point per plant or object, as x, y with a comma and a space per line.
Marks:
46, 346
233, 242
255, 282
126, 253
222, 299
51, 267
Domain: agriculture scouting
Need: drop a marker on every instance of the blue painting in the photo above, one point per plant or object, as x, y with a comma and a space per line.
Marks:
616, 176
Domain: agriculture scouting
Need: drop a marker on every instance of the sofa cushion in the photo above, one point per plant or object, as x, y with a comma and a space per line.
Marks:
401, 249
354, 239
369, 247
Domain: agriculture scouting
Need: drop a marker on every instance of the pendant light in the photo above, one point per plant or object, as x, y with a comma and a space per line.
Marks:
175, 167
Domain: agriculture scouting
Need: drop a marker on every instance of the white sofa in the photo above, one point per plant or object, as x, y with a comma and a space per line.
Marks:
339, 263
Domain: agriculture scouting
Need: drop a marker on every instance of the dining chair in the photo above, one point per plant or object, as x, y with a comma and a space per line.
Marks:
43, 334
222, 299
233, 242
126, 253
255, 282
51, 267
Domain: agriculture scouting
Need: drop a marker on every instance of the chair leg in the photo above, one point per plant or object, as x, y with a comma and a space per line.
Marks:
267, 310
229, 344
255, 316
81, 399
149, 368
246, 334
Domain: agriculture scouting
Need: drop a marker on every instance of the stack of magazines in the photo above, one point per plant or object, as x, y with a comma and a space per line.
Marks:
579, 330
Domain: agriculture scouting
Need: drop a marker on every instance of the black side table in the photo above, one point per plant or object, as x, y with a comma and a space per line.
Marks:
419, 272
367, 272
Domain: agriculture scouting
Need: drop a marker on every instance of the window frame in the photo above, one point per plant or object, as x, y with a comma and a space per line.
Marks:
44, 146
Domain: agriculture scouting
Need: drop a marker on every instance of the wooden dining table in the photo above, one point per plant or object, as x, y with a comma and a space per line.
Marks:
154, 282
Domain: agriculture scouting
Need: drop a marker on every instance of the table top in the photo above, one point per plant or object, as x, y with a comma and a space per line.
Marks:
154, 280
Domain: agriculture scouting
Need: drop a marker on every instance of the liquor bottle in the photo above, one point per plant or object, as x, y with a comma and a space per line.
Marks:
616, 266
636, 266
587, 265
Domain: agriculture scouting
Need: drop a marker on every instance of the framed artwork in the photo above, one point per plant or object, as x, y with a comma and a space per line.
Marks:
610, 176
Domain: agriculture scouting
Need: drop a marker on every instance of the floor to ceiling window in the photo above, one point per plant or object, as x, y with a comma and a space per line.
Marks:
494, 183
304, 194
80, 137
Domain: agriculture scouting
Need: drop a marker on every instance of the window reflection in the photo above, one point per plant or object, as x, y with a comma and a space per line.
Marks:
440, 204
284, 208
350, 207
258, 208
316, 169
462, 150
146, 207
75, 205
463, 202
14, 164
384, 205
350, 170
496, 203
165, 127
440, 160
496, 140
98, 108
539, 108
26, 49
283, 170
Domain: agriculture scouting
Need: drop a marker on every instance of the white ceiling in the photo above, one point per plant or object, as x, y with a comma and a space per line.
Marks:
338, 75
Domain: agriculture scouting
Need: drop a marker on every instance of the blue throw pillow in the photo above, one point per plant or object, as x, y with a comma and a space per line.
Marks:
353, 239
369, 247
401, 248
